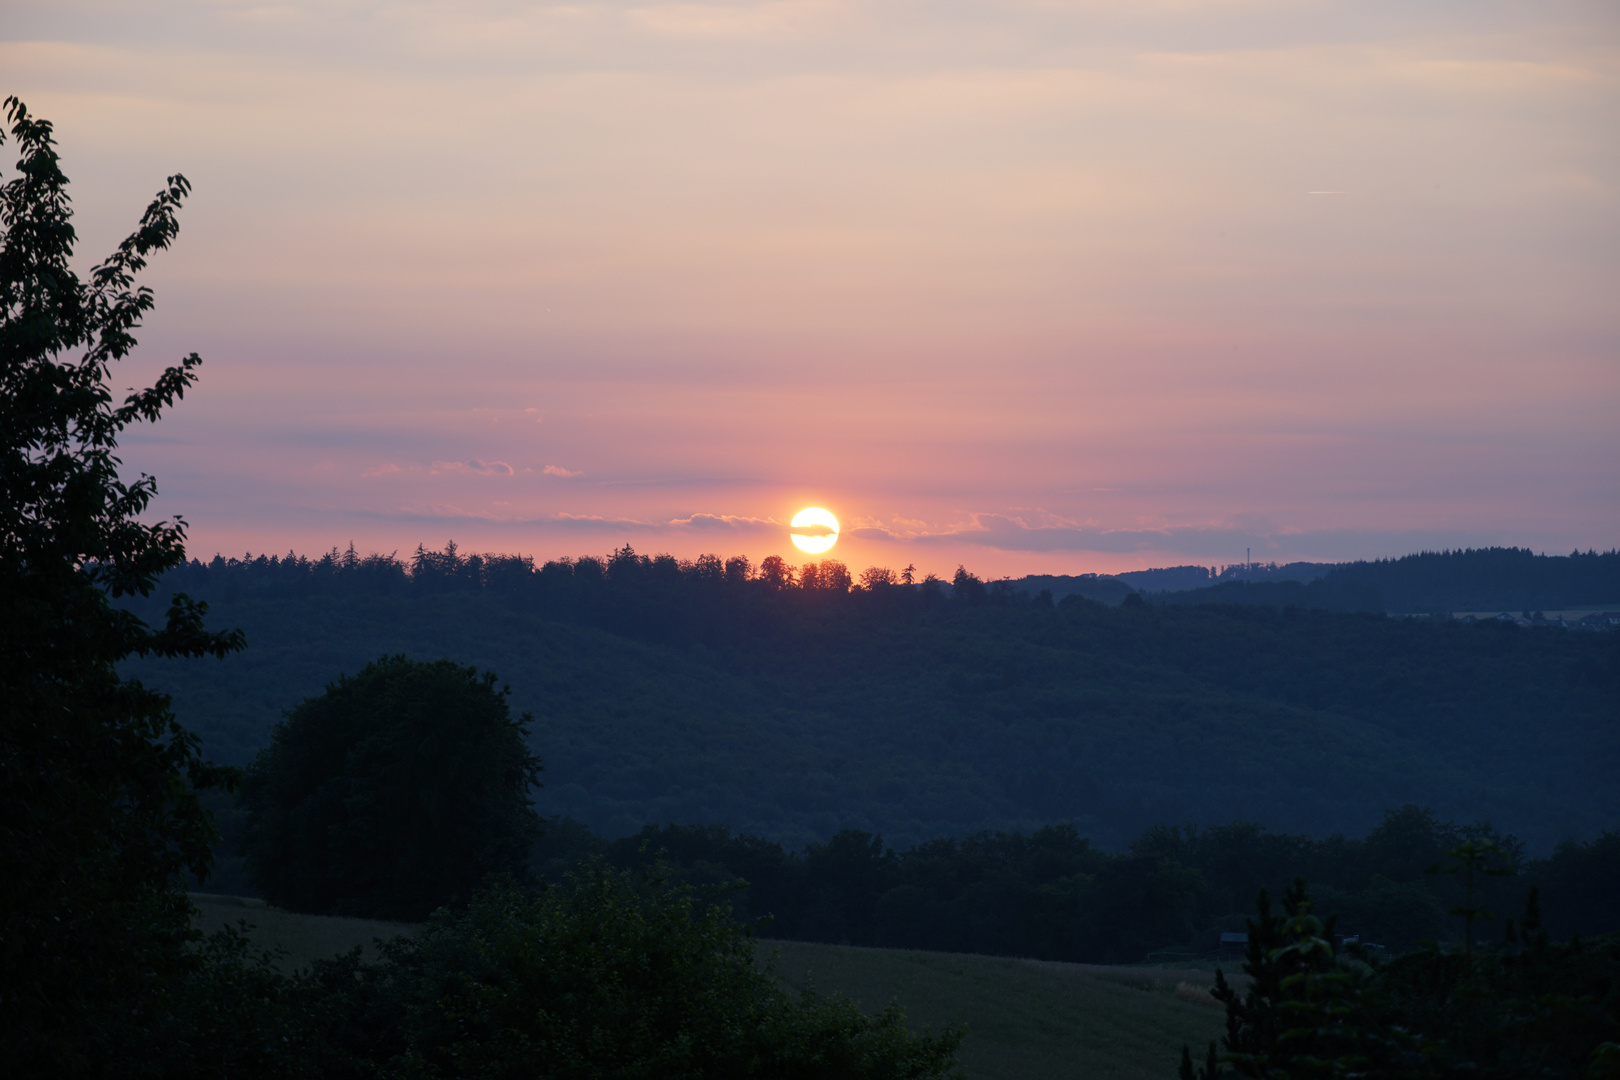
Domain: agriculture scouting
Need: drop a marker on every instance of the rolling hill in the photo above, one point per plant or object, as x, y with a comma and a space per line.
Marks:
667, 695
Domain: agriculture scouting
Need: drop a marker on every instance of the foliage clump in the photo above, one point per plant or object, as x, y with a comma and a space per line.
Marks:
394, 792
610, 975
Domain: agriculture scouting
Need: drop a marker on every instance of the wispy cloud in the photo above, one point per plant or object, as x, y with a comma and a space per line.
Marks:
446, 512
601, 522
558, 470
733, 523
473, 467
1015, 533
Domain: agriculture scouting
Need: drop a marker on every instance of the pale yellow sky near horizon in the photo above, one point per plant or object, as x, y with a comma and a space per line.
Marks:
1037, 287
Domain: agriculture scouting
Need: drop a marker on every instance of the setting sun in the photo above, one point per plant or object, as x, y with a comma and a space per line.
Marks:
814, 530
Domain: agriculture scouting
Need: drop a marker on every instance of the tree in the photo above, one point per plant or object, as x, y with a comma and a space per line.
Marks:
1524, 1009
392, 793
775, 572
99, 813
1471, 861
1306, 1013
966, 588
835, 576
874, 578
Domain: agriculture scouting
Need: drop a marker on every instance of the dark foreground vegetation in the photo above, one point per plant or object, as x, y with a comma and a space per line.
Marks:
1525, 1007
1021, 1019
608, 975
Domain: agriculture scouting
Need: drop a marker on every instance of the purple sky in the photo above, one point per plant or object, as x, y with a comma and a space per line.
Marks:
1036, 287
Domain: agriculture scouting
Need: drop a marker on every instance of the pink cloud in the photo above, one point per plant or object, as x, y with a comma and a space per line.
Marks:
727, 522
558, 470
481, 468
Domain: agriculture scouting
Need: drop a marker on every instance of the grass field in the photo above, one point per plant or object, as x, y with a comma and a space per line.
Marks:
301, 937
1026, 1019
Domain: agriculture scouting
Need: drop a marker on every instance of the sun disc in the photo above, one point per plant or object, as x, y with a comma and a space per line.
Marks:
814, 530
813, 545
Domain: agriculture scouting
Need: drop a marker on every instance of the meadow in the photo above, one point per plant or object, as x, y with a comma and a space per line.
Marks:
1024, 1018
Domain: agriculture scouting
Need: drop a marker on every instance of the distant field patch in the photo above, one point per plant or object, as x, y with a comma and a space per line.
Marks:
303, 937
1024, 1018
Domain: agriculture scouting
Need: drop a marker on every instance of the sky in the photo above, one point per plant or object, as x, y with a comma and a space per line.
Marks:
1027, 285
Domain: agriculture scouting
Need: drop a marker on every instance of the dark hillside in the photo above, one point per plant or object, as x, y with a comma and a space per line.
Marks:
1054, 895
1484, 580
1323, 594
1181, 578
1489, 579
1109, 590
669, 693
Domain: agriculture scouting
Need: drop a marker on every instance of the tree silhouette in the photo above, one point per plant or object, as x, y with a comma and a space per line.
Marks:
966, 588
775, 572
392, 793
874, 578
1471, 861
835, 576
99, 815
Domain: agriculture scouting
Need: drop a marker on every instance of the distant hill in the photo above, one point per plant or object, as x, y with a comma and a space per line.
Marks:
1100, 587
1180, 578
1113, 588
668, 693
1323, 594
1482, 580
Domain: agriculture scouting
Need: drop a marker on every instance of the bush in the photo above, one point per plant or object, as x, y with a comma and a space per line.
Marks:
392, 793
608, 976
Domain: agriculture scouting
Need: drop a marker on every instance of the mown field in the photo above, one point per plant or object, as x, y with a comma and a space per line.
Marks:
1025, 1019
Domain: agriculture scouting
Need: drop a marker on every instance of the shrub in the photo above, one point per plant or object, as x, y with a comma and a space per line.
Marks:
609, 976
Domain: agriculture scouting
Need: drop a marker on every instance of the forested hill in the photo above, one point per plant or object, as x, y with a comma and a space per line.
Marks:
1487, 579
1483, 580
793, 706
